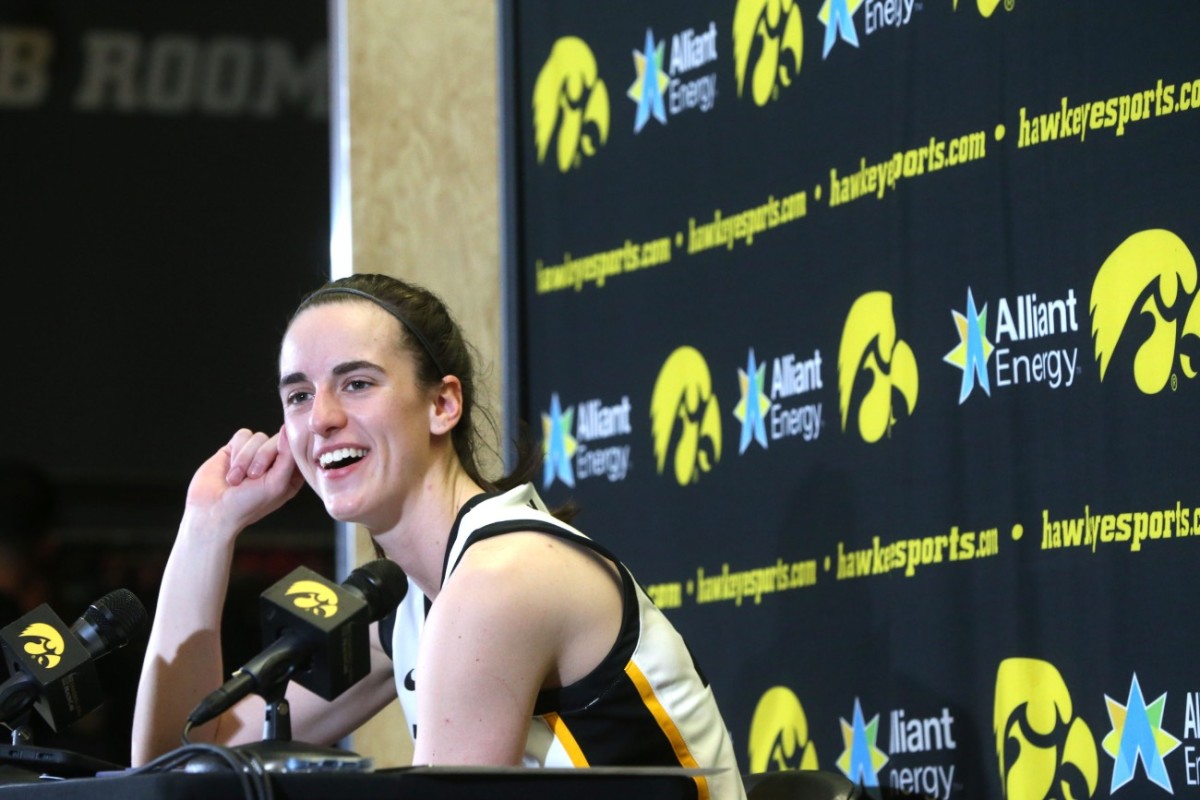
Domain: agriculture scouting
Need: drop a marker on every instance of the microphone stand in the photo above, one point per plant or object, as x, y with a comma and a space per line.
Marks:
22, 762
22, 739
278, 753
277, 724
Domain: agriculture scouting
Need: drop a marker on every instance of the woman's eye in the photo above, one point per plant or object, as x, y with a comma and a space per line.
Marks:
295, 398
357, 385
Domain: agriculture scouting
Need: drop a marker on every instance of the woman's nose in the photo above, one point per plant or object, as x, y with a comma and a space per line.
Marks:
327, 414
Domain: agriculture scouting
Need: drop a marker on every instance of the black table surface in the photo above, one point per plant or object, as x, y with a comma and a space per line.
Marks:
444, 783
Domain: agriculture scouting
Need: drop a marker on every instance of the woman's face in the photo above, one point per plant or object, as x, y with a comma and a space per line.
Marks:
357, 422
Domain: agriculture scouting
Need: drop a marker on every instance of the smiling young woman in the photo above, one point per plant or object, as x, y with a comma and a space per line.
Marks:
520, 640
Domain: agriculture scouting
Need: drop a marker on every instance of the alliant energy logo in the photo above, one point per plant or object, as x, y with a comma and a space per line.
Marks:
44, 643
570, 105
779, 738
685, 416
672, 84
648, 86
597, 448
778, 405
1138, 735
861, 760
922, 751
1150, 277
313, 597
838, 18
558, 445
1045, 751
1191, 733
768, 42
973, 350
874, 366
1024, 326
602, 432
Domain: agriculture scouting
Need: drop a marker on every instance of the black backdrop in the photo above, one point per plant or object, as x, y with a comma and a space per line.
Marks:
877, 364
166, 200
164, 203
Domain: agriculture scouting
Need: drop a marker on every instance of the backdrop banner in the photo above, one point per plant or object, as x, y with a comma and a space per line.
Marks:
864, 330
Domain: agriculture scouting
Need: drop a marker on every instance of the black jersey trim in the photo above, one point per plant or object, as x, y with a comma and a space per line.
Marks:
471, 503
387, 629
635, 738
611, 669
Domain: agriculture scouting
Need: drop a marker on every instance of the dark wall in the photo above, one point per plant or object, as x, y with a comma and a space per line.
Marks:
165, 203
166, 200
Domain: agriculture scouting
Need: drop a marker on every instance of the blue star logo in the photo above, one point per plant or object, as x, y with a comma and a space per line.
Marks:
753, 405
861, 760
973, 350
838, 16
1138, 734
558, 445
648, 87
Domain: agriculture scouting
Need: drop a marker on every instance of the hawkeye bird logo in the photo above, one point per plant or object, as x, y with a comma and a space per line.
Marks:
570, 103
1150, 277
44, 643
1045, 751
683, 400
779, 739
314, 597
986, 7
769, 34
869, 345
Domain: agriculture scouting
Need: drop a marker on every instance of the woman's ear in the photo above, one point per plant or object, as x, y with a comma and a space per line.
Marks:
447, 408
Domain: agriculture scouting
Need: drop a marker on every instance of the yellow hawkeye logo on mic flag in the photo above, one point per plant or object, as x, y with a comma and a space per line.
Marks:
44, 643
314, 597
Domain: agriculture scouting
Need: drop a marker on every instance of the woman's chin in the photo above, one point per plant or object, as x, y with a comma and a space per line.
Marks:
342, 509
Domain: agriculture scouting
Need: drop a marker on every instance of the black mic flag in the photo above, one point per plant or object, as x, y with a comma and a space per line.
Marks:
53, 667
315, 633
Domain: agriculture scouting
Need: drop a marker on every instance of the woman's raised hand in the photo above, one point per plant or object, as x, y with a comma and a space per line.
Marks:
245, 480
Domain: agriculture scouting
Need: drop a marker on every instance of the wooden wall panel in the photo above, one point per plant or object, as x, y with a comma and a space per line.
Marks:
424, 186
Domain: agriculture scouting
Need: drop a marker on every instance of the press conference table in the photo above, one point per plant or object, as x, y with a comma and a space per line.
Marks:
442, 783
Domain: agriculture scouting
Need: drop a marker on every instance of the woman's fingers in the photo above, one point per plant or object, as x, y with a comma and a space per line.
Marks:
249, 456
283, 470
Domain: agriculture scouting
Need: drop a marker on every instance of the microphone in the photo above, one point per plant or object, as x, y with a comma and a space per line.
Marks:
315, 633
53, 667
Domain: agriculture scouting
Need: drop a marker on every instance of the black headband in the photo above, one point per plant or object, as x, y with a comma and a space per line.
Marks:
388, 307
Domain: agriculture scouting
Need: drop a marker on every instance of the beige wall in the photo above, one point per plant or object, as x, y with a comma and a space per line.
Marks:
424, 184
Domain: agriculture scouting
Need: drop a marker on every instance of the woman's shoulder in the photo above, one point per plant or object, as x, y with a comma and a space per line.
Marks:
530, 563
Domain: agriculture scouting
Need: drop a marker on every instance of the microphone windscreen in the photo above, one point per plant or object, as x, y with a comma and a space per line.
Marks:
111, 622
381, 583
120, 612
